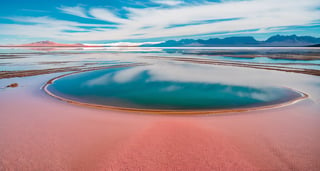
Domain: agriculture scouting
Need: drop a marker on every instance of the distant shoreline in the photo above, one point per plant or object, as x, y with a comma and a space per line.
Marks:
24, 73
174, 47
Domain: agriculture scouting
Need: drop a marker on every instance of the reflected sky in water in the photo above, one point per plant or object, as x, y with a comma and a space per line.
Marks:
12, 59
166, 69
170, 86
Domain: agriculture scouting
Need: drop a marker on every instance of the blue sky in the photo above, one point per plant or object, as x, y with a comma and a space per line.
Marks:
105, 21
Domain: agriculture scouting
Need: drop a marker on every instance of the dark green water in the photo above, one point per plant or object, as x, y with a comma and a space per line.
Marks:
140, 90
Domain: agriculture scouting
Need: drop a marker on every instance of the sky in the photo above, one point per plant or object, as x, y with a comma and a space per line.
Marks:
108, 21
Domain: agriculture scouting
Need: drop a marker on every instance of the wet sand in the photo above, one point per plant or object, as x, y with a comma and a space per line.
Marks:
39, 132
26, 73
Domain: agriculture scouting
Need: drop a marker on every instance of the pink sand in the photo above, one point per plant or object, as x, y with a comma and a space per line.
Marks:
41, 133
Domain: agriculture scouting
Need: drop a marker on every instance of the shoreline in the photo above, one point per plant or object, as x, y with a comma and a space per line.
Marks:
25, 73
242, 64
168, 112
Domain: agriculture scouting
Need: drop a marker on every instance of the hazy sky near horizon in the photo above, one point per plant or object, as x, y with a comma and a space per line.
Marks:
103, 21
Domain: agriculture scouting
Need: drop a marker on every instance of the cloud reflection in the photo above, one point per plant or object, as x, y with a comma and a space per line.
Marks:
192, 73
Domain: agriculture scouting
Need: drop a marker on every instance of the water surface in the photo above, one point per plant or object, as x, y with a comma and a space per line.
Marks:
147, 87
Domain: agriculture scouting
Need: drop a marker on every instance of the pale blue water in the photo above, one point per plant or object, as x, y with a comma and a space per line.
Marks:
30, 59
183, 87
303, 64
118, 87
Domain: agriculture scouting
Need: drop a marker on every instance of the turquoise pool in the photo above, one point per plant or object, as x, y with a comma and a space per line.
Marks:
136, 87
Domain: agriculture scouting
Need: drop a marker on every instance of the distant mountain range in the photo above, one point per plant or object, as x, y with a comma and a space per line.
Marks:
317, 45
245, 41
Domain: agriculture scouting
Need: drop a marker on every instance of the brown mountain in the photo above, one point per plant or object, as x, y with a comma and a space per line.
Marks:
50, 44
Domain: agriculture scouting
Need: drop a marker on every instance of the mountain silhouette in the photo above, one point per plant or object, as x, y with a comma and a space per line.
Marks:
243, 41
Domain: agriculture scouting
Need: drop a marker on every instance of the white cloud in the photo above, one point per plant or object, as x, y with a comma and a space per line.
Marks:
102, 80
168, 2
126, 44
207, 18
77, 11
198, 73
48, 21
127, 75
171, 88
106, 15
45, 27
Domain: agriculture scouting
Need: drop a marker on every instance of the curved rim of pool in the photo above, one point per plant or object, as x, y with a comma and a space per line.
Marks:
168, 111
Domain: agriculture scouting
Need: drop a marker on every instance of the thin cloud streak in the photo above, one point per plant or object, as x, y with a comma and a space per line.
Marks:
168, 2
159, 22
106, 15
77, 11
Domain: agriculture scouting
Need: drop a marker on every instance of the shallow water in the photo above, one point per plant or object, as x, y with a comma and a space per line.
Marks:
175, 72
13, 59
140, 87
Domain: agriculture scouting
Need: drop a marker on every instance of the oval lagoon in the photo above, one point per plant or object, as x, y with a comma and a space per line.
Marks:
142, 88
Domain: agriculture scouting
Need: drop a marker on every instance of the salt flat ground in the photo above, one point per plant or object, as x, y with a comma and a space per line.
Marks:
39, 132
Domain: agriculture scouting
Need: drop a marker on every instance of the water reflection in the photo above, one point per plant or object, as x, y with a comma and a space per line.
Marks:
170, 86
12, 59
